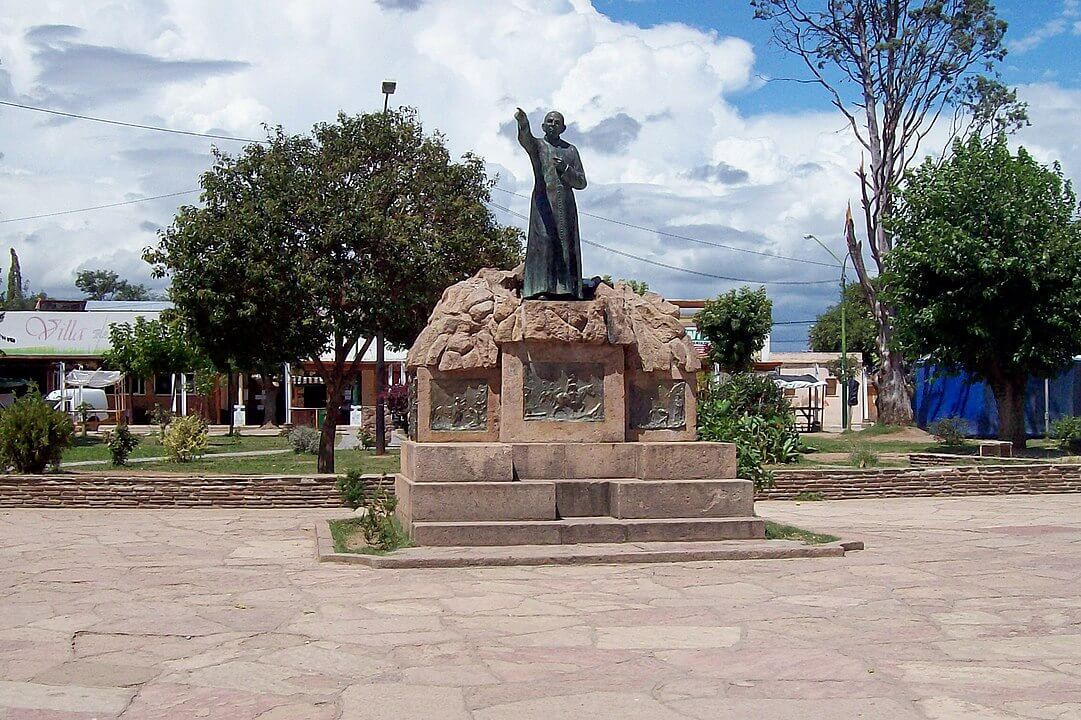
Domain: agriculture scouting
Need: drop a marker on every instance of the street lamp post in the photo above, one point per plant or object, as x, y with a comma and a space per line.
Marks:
844, 340
389, 86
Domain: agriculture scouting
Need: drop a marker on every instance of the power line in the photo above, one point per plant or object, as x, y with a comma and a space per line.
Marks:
688, 239
121, 123
677, 267
98, 207
796, 322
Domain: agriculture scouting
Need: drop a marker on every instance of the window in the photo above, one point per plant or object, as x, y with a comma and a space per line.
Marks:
831, 387
137, 385
163, 384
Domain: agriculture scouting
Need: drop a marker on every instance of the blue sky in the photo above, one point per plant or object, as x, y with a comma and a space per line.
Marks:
666, 100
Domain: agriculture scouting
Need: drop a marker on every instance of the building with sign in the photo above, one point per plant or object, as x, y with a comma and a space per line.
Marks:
41, 346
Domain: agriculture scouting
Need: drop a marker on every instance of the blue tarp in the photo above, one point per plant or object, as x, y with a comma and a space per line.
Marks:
958, 395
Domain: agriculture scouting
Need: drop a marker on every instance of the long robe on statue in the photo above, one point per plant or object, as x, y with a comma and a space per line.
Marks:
553, 256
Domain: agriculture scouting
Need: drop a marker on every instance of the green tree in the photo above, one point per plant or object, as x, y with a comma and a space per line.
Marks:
736, 325
825, 334
639, 286
154, 347
351, 231
986, 275
107, 285
891, 67
18, 295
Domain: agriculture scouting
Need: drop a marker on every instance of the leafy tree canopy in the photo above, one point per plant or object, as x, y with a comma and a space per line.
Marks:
987, 272
310, 243
825, 334
152, 347
107, 285
639, 286
736, 325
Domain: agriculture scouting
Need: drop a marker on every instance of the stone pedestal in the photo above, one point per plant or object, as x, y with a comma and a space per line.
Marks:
561, 421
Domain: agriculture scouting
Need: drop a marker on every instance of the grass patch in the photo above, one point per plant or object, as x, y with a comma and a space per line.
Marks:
777, 531
348, 537
93, 448
282, 464
876, 430
809, 497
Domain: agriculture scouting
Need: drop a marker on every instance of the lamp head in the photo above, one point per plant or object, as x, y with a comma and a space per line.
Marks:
389, 86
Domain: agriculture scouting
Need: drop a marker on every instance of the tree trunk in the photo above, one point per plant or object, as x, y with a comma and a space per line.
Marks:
894, 401
327, 435
1010, 400
270, 399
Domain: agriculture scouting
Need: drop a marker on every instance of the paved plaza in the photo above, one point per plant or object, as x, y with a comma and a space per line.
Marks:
958, 608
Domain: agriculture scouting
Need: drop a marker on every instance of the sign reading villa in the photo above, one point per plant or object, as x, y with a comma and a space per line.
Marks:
60, 333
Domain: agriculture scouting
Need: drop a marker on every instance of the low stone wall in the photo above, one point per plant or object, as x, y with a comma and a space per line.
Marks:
946, 459
845, 484
152, 491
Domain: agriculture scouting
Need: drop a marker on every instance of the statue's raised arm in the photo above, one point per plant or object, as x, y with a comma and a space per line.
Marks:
553, 261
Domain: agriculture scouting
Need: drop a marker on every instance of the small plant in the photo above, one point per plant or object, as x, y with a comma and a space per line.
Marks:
33, 435
161, 417
809, 497
120, 442
777, 531
1067, 430
949, 431
304, 439
185, 438
83, 411
862, 456
381, 528
365, 438
351, 488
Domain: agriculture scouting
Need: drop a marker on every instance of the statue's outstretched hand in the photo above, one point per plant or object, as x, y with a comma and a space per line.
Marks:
520, 116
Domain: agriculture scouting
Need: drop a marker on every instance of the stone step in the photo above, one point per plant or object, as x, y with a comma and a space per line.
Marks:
651, 499
473, 501
586, 530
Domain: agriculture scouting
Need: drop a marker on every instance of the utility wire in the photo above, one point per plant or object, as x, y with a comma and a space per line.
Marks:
98, 207
688, 239
677, 267
128, 124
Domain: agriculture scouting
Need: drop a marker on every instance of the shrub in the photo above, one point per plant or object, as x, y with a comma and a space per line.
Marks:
83, 410
120, 442
304, 439
752, 412
365, 438
862, 456
161, 417
949, 431
1067, 431
33, 435
396, 398
351, 488
185, 438
382, 530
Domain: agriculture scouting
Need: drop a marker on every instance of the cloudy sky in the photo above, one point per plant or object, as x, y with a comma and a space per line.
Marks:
679, 107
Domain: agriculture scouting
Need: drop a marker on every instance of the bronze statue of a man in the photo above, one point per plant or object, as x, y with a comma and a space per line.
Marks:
553, 256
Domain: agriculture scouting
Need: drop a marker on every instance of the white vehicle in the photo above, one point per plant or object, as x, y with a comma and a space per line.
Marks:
73, 397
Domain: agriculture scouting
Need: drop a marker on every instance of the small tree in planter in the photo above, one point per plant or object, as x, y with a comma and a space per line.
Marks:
33, 435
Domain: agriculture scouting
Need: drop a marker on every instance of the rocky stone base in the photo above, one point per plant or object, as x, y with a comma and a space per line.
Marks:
487, 494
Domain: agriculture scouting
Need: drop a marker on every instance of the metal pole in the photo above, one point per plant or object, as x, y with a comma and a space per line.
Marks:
380, 403
844, 355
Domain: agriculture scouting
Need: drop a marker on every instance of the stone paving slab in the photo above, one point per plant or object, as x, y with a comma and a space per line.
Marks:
958, 608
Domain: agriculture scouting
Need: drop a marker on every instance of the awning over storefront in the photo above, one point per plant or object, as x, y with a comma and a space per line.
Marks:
796, 382
93, 378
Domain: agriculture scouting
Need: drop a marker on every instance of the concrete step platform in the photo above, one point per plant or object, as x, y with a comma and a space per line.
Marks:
581, 554
586, 530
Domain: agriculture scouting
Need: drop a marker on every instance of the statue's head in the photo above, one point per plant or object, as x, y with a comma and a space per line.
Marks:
553, 124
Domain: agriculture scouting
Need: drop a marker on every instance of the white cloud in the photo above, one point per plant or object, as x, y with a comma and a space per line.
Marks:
662, 145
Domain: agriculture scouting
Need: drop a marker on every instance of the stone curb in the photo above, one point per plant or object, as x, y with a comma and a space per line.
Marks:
592, 554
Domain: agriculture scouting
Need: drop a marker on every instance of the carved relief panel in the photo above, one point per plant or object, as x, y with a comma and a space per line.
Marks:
459, 404
561, 392
659, 405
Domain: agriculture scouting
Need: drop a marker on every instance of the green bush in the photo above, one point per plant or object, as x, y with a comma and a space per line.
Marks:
161, 417
351, 488
33, 435
1067, 431
752, 412
382, 530
949, 431
120, 443
862, 456
365, 438
304, 439
185, 438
